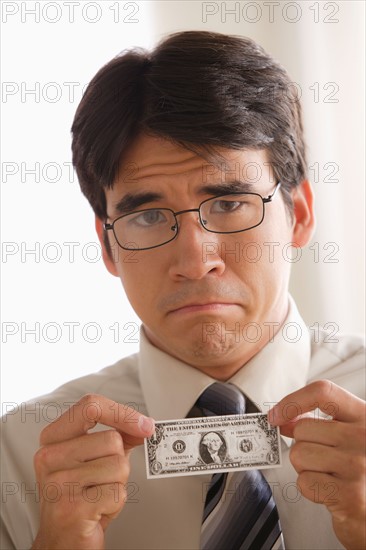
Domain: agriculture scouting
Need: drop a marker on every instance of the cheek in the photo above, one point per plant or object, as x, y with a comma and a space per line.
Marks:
262, 257
141, 279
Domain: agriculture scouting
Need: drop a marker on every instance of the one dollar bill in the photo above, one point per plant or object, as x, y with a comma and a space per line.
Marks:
194, 446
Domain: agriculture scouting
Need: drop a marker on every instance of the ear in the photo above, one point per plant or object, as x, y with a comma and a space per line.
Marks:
107, 259
304, 219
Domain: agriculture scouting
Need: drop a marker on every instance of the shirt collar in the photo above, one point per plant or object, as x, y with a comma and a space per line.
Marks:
281, 367
171, 387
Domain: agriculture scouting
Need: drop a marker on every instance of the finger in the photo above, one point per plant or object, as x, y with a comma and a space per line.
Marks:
320, 488
315, 457
328, 432
93, 409
308, 428
324, 395
288, 429
109, 469
70, 454
130, 442
338, 495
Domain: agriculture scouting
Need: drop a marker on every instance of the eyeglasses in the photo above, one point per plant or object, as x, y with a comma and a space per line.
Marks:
153, 227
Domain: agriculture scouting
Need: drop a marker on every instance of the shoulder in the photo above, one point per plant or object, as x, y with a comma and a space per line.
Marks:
118, 382
328, 344
338, 357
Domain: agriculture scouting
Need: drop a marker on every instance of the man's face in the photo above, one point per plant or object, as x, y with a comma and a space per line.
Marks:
212, 442
204, 297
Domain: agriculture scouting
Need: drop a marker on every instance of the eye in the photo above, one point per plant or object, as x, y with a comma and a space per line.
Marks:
149, 218
226, 206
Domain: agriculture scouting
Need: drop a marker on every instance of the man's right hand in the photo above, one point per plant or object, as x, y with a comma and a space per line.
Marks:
82, 476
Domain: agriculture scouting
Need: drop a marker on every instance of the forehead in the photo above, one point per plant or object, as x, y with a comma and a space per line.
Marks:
150, 156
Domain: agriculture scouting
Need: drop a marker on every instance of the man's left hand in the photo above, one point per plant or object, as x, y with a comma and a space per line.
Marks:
329, 454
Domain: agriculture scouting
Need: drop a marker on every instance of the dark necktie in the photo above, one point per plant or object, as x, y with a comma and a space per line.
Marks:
239, 511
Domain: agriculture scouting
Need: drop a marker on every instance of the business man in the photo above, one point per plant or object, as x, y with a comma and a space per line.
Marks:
193, 159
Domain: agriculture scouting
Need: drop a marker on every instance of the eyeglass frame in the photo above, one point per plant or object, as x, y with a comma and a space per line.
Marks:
110, 226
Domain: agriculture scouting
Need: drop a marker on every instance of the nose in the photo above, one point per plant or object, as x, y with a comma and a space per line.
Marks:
195, 252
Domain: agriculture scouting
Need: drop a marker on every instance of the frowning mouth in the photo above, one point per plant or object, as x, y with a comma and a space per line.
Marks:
202, 307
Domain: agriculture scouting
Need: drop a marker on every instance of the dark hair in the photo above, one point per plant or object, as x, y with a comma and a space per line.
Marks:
199, 89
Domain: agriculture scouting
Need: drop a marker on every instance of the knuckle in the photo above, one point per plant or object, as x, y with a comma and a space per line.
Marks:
41, 459
358, 496
121, 491
91, 409
357, 464
302, 427
117, 497
113, 440
296, 455
89, 399
299, 429
43, 437
123, 466
324, 387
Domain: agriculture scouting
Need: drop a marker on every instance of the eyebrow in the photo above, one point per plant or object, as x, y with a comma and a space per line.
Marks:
234, 186
132, 201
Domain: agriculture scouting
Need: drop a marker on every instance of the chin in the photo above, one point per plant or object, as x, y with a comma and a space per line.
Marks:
211, 348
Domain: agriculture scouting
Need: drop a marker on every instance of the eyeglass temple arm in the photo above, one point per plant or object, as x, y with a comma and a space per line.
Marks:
271, 197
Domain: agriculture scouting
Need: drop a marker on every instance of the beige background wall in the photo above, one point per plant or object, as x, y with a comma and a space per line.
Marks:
320, 43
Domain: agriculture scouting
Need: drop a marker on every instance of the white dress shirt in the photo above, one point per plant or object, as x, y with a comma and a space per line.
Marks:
166, 513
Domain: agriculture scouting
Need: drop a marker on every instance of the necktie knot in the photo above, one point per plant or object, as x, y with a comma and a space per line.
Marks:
220, 399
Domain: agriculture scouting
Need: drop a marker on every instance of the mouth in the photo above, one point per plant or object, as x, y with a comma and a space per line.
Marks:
197, 307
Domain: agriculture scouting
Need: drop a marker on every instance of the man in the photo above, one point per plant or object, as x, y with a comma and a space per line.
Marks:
193, 159
212, 448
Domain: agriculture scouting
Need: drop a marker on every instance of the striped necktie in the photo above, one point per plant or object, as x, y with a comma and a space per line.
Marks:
239, 511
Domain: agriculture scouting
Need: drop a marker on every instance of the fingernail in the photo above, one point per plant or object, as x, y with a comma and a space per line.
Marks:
146, 424
273, 416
